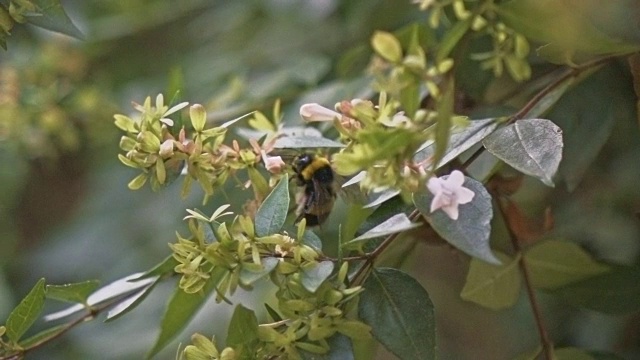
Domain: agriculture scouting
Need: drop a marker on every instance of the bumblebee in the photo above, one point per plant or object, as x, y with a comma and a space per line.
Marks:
315, 178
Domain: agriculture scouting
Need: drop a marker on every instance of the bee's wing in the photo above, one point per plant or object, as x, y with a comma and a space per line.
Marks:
351, 193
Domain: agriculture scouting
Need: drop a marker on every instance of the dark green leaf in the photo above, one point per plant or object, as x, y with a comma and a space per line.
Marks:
181, 308
493, 286
243, 332
571, 354
44, 335
557, 263
77, 292
601, 355
548, 100
130, 302
51, 16
310, 238
531, 146
315, 274
339, 349
26, 313
400, 314
616, 292
273, 212
273, 313
470, 233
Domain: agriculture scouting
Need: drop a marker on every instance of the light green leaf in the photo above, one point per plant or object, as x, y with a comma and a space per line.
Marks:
77, 292
26, 313
166, 266
443, 121
310, 238
470, 233
493, 286
531, 146
395, 224
181, 308
51, 16
616, 292
451, 38
531, 355
315, 274
273, 212
557, 263
44, 335
387, 46
248, 277
572, 354
243, 329
400, 314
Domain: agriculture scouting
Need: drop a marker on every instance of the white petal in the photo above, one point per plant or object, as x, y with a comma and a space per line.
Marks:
451, 211
440, 201
159, 101
464, 195
455, 179
434, 185
175, 108
316, 112
167, 121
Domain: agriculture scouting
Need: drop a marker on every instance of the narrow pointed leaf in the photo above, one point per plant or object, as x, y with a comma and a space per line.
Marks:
400, 313
305, 142
395, 224
470, 233
77, 292
165, 267
26, 313
531, 146
493, 286
340, 348
42, 336
273, 212
443, 124
130, 302
50, 15
553, 264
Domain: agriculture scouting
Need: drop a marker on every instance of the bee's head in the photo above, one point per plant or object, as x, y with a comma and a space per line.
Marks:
301, 162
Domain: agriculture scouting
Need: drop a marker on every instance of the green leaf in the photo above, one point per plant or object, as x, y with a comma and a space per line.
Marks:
460, 141
50, 15
451, 38
493, 286
273, 212
44, 335
571, 354
470, 233
400, 314
26, 313
553, 264
180, 309
77, 292
314, 274
395, 224
310, 238
387, 46
602, 355
248, 277
339, 349
531, 146
166, 266
242, 334
530, 355
616, 292
130, 302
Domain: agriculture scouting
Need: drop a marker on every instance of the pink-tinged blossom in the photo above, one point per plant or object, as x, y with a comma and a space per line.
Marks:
273, 164
449, 193
316, 112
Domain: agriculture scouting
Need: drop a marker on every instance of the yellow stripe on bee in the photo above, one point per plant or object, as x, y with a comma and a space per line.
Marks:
316, 164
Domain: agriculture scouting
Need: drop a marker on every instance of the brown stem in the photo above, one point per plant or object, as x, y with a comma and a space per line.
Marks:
547, 345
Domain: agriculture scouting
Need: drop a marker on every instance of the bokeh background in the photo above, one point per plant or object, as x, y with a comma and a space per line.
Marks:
66, 213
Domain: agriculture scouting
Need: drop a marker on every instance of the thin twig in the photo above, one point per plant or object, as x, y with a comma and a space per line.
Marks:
547, 345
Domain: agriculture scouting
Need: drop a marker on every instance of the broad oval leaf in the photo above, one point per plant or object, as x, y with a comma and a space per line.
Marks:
395, 224
26, 313
50, 15
77, 292
493, 286
400, 314
243, 328
616, 292
470, 233
313, 276
248, 277
531, 146
273, 212
553, 264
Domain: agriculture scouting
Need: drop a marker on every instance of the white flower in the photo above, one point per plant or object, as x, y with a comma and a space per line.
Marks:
273, 164
316, 112
449, 193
